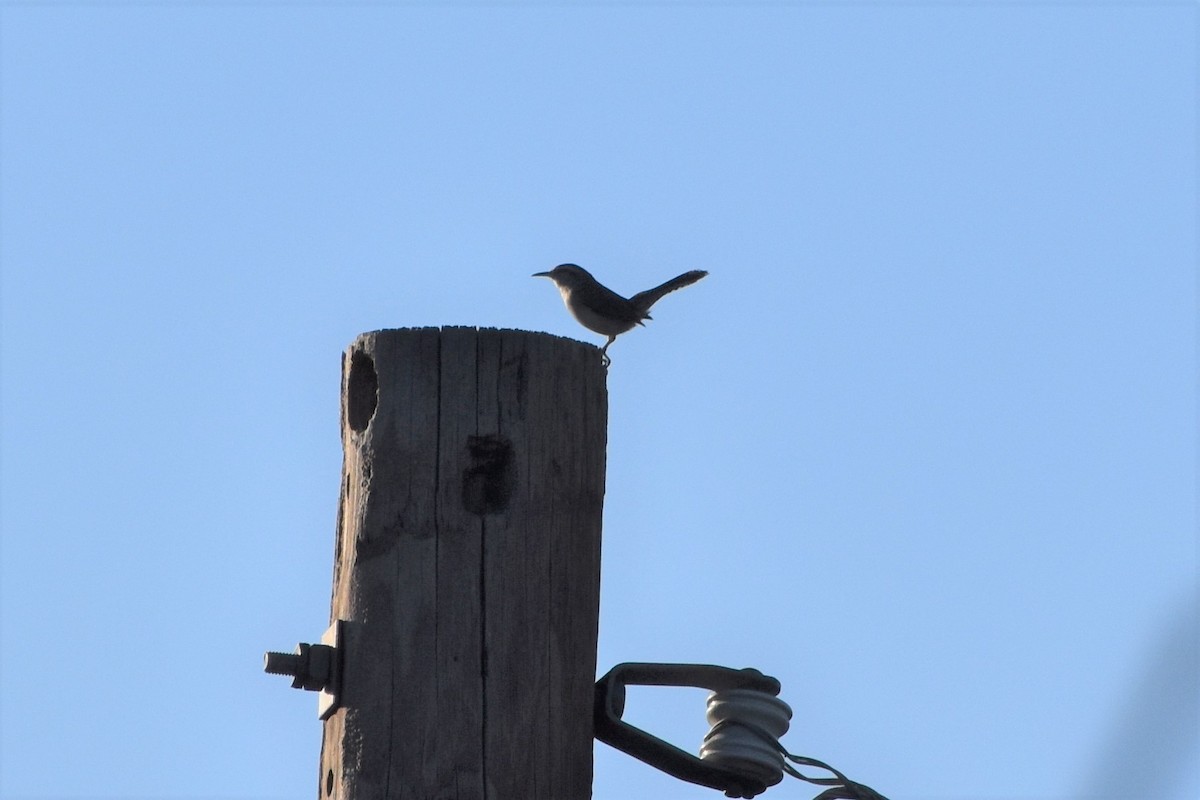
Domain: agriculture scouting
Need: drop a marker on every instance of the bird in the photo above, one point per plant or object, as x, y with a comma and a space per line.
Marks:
600, 309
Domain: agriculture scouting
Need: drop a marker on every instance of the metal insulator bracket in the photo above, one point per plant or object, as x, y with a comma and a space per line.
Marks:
610, 729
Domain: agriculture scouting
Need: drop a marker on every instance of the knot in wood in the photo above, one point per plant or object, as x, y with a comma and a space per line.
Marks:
488, 481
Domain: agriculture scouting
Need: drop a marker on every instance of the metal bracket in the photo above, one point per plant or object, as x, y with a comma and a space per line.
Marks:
314, 667
610, 705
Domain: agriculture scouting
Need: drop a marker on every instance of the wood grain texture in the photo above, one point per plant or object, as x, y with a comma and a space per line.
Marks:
467, 565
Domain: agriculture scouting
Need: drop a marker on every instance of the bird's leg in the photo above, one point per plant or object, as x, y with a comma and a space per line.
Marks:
604, 351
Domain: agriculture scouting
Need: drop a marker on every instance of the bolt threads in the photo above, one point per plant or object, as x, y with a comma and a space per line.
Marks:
283, 663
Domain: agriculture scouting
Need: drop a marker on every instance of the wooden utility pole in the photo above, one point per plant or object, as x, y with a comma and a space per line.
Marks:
467, 567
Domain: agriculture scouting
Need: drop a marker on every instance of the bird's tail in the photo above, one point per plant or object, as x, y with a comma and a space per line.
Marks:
643, 300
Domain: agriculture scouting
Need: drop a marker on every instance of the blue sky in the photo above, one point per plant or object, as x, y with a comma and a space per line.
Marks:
922, 445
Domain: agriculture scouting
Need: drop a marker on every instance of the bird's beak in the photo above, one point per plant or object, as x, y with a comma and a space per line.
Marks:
540, 275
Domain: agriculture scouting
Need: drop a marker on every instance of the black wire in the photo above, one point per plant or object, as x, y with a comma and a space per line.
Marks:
842, 788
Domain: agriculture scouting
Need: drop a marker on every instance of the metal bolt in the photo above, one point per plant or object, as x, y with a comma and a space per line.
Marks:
310, 666
314, 667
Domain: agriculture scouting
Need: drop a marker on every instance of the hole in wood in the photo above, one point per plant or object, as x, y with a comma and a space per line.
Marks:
328, 782
488, 482
362, 391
